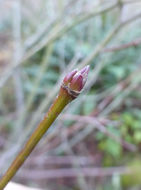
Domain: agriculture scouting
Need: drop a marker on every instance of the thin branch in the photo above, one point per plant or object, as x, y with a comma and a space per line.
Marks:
86, 131
131, 1
133, 43
74, 172
107, 39
54, 35
64, 28
65, 160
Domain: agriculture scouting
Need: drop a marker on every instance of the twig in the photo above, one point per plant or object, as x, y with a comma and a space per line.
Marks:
17, 58
133, 43
74, 172
69, 90
107, 39
54, 35
95, 124
63, 28
12, 150
123, 93
81, 160
131, 1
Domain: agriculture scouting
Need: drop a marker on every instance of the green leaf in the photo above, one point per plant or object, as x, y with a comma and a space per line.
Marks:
111, 147
137, 136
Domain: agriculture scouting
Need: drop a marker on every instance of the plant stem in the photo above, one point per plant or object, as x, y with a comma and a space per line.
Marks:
71, 87
61, 101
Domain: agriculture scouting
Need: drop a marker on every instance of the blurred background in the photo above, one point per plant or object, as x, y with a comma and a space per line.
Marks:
96, 142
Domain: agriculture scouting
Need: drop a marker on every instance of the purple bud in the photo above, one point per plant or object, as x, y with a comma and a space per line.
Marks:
75, 80
69, 76
84, 73
85, 70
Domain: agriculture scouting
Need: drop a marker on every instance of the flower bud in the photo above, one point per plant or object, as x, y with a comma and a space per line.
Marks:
69, 77
75, 81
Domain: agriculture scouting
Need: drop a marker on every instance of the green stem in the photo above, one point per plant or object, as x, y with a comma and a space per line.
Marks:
61, 101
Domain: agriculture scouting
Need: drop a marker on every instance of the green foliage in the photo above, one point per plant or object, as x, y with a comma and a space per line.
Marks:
133, 179
108, 145
111, 147
131, 128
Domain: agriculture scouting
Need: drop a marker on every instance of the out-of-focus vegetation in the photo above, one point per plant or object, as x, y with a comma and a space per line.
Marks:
96, 143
